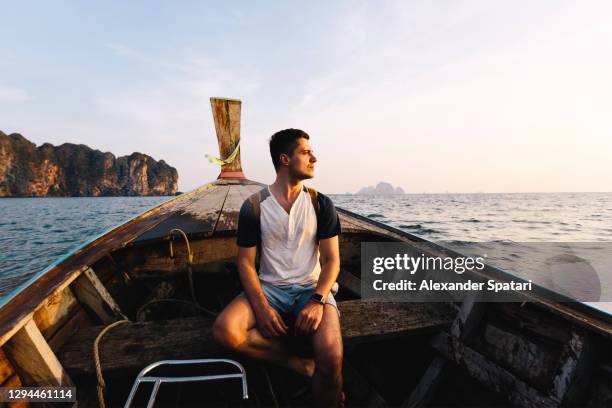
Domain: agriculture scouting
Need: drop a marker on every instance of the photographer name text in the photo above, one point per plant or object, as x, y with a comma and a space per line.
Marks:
469, 285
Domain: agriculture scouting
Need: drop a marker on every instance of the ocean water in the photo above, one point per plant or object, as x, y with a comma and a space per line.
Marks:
562, 241
524, 217
34, 232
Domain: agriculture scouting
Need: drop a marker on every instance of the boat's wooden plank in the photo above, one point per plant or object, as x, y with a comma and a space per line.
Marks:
76, 322
16, 313
574, 373
34, 360
6, 367
228, 220
369, 320
469, 316
350, 282
197, 218
202, 216
528, 360
578, 317
246, 191
348, 225
132, 346
490, 374
356, 225
534, 320
92, 293
207, 254
463, 325
55, 311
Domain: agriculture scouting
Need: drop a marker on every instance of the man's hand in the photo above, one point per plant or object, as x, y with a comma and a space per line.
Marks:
309, 319
270, 323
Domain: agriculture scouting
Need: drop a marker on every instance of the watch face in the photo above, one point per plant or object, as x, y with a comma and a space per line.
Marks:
317, 298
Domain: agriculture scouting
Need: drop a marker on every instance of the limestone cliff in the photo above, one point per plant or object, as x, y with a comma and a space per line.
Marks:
73, 170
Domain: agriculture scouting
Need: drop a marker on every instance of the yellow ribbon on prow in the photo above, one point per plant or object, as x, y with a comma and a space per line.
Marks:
228, 160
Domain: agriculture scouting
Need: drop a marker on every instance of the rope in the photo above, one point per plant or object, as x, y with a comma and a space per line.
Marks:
189, 253
228, 160
194, 302
100, 379
101, 384
189, 262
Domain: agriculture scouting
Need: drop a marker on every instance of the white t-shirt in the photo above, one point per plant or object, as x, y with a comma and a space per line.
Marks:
289, 241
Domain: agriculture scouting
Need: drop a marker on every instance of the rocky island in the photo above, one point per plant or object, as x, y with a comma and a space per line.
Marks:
381, 189
72, 170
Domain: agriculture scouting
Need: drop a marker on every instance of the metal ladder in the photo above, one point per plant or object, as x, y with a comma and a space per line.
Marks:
143, 378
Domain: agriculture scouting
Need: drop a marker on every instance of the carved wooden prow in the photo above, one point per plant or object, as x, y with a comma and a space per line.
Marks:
226, 113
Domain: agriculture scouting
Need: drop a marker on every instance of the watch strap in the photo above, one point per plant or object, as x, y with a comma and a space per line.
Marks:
318, 298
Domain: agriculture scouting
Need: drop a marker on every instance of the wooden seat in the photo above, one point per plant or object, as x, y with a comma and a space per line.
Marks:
129, 347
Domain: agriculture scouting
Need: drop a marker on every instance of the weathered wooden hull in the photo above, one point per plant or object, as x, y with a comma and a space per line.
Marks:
541, 353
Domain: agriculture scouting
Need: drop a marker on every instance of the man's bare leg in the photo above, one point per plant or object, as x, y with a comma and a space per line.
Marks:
327, 344
235, 328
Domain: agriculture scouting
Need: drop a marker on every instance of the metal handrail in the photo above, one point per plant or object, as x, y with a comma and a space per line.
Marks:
141, 378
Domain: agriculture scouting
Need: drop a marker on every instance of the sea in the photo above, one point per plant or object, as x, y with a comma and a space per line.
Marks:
36, 232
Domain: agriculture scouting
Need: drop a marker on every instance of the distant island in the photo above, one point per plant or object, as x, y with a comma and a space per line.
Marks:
381, 188
72, 170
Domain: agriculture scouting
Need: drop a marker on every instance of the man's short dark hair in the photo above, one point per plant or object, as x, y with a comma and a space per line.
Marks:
285, 141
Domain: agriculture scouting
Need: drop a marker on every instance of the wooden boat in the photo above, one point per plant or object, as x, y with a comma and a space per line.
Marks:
540, 353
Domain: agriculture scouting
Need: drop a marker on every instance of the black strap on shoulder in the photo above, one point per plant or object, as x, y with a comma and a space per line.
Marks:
255, 200
313, 199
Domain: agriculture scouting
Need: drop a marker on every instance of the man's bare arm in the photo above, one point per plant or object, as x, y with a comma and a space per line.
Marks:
249, 278
330, 264
268, 320
311, 315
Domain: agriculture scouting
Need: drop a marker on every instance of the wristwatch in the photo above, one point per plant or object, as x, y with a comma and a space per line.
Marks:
317, 298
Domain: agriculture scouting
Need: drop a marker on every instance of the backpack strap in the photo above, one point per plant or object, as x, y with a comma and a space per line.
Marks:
313, 199
255, 200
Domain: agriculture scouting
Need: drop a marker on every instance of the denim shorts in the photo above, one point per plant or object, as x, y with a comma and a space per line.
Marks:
289, 300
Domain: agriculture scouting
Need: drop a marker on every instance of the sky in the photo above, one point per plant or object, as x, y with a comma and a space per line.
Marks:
432, 96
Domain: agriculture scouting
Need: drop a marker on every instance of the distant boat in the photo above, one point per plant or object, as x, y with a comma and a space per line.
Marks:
541, 353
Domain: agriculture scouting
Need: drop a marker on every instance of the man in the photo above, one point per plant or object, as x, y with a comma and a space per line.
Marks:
299, 264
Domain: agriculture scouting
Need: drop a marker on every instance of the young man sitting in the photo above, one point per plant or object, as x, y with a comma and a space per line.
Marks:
299, 263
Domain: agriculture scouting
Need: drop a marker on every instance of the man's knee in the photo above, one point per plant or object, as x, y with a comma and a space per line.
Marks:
329, 360
226, 335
